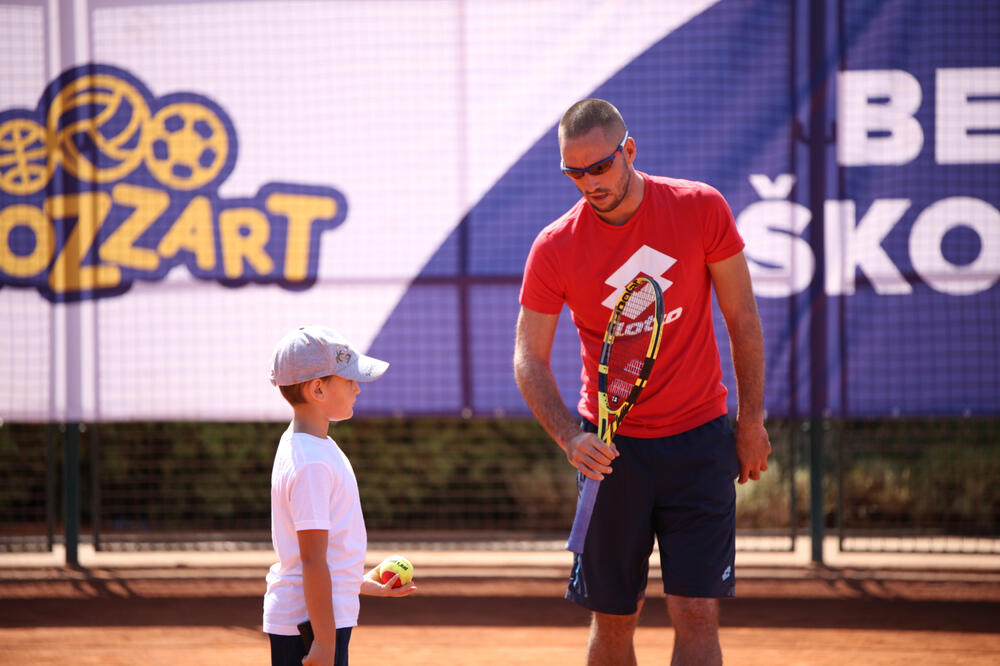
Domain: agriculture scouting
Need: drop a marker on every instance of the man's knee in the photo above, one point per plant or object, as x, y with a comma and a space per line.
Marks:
693, 612
607, 624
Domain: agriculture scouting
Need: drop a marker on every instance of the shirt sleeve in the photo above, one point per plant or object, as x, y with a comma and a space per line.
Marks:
721, 237
541, 288
309, 497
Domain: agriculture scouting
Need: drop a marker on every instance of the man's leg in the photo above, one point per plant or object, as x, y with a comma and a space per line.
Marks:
696, 631
696, 530
611, 639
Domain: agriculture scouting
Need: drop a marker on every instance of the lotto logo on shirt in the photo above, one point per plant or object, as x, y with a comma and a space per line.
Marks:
637, 327
104, 184
634, 328
646, 261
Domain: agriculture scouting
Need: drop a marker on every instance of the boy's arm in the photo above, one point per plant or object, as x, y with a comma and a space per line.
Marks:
319, 597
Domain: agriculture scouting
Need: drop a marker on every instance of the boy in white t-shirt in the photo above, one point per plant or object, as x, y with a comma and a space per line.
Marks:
317, 527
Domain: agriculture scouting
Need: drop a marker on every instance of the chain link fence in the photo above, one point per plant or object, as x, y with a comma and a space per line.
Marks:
929, 485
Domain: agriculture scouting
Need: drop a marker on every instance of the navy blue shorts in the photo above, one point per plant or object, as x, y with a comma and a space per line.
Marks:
679, 489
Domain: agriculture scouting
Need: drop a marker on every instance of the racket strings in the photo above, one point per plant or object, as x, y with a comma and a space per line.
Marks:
627, 359
639, 302
633, 332
618, 389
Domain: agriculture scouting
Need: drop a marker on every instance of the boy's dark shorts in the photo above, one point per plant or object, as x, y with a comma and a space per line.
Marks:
291, 650
679, 489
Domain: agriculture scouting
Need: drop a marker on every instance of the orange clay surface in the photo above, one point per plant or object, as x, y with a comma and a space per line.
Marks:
53, 615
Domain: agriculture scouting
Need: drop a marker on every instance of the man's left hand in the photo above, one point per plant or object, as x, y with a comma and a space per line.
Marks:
752, 447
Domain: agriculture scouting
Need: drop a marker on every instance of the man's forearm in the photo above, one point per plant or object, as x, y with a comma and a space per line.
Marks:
538, 386
752, 443
747, 343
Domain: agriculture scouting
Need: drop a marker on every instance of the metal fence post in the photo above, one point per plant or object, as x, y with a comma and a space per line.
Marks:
818, 366
71, 492
51, 436
816, 519
95, 484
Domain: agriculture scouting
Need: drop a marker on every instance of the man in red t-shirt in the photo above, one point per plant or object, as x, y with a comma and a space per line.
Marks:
670, 471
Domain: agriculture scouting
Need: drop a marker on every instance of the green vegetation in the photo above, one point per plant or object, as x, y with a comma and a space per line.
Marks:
939, 476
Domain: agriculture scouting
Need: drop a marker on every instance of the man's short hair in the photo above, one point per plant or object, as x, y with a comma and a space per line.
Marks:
587, 114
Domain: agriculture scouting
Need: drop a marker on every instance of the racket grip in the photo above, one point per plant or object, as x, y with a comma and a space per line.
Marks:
306, 631
584, 509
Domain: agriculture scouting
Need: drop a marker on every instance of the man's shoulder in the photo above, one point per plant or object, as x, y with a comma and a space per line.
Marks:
564, 224
683, 189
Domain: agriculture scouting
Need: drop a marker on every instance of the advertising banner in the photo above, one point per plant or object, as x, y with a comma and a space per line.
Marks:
183, 183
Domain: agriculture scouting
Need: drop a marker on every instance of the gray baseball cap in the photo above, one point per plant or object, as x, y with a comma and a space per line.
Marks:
317, 351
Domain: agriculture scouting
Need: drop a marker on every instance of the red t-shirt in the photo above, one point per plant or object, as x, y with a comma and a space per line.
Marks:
584, 262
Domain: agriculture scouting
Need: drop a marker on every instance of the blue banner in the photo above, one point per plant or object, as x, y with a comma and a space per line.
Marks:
911, 251
173, 209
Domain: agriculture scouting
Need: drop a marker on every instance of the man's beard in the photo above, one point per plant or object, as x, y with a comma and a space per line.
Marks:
614, 203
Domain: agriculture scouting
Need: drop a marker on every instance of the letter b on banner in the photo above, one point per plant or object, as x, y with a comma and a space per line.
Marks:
876, 123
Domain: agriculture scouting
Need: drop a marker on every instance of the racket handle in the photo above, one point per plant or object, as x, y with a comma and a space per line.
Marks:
306, 631
584, 509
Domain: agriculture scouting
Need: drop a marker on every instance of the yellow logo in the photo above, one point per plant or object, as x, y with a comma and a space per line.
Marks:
104, 184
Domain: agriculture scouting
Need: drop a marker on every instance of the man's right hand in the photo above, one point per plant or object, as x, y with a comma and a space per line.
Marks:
586, 452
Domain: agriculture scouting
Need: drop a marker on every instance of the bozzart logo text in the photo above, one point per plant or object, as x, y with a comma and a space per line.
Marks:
104, 184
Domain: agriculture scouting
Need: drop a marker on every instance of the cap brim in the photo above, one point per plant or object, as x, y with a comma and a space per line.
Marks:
364, 369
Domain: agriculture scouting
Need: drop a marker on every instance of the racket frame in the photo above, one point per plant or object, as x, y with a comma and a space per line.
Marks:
606, 426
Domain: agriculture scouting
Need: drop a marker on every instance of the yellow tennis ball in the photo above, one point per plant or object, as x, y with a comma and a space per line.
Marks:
395, 564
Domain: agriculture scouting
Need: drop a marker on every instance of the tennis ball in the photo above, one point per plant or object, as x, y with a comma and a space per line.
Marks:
396, 564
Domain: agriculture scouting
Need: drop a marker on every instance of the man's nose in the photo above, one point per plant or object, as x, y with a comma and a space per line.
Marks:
590, 183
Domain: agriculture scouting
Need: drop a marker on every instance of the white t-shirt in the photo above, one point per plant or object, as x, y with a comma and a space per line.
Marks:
313, 487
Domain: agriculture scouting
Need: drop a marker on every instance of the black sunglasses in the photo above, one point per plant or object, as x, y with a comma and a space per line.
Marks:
598, 167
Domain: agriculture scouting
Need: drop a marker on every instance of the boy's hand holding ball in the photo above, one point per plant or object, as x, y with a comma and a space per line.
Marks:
393, 565
392, 578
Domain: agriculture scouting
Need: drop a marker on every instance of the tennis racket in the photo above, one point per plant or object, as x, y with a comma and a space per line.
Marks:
631, 343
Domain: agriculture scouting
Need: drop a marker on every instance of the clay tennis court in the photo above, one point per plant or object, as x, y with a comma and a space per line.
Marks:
496, 608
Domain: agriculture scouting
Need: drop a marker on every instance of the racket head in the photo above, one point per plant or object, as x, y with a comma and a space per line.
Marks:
631, 343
